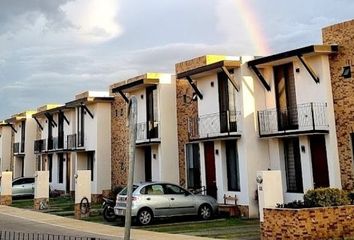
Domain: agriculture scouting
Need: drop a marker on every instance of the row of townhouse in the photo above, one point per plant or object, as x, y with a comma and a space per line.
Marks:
212, 125
61, 139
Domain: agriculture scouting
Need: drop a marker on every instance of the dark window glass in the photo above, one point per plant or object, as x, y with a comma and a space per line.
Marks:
293, 165
90, 163
193, 166
233, 175
60, 167
50, 167
173, 189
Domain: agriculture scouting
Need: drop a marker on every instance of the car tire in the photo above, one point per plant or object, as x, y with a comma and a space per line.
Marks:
145, 217
205, 212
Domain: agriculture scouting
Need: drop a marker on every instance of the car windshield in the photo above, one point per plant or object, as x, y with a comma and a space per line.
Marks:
124, 191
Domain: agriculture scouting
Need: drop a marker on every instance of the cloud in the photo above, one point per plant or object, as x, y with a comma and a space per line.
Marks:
62, 21
95, 20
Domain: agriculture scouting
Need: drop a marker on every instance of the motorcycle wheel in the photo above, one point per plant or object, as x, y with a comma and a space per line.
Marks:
108, 214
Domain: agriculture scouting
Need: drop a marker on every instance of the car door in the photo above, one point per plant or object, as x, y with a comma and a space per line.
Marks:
153, 196
18, 187
182, 202
28, 186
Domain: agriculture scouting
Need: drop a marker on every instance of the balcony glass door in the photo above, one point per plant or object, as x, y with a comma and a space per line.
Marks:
61, 130
227, 104
285, 94
151, 112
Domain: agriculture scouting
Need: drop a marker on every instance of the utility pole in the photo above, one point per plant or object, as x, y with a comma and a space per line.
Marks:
132, 112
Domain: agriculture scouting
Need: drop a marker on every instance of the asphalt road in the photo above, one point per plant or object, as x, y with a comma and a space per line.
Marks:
16, 224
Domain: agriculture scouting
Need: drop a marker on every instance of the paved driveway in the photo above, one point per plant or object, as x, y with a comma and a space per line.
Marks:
16, 219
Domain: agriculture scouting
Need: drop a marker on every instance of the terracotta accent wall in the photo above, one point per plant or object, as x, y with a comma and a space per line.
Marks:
311, 223
119, 137
343, 97
185, 110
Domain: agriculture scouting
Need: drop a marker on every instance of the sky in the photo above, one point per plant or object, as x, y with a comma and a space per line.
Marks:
52, 50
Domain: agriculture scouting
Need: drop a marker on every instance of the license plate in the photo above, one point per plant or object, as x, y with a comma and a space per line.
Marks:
121, 212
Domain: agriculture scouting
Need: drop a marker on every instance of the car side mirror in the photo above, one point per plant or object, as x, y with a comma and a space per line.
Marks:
186, 194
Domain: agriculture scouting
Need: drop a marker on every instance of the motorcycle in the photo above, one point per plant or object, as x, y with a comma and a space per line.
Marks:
108, 210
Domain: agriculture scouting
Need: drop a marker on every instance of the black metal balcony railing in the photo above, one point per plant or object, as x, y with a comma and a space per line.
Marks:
214, 125
305, 117
39, 145
147, 131
71, 141
16, 147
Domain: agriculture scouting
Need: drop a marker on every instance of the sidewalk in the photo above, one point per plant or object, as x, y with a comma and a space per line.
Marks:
89, 227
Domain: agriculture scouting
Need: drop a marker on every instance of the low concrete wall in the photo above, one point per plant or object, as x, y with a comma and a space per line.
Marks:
308, 223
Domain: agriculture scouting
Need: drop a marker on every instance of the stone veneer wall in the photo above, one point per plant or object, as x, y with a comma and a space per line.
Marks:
119, 135
184, 111
310, 223
343, 89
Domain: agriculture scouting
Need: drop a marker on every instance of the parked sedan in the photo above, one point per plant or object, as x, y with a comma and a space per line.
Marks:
151, 200
22, 187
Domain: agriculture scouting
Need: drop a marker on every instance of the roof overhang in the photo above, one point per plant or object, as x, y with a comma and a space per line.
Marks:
49, 109
87, 101
289, 56
132, 84
20, 117
205, 65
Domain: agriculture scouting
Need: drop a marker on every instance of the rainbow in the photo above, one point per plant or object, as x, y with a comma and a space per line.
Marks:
251, 23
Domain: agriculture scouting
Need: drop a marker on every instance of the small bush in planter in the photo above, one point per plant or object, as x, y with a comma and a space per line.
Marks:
295, 205
326, 197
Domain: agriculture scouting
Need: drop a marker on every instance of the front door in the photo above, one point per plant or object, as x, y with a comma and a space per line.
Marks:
210, 169
319, 161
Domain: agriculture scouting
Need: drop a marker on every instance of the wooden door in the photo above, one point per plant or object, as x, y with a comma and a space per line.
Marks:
210, 169
319, 161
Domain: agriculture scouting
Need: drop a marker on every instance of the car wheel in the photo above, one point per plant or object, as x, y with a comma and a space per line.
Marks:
144, 216
205, 212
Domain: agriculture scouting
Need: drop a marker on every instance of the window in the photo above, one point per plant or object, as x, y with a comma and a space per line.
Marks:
60, 167
193, 166
155, 189
346, 73
233, 174
293, 165
90, 163
173, 189
50, 167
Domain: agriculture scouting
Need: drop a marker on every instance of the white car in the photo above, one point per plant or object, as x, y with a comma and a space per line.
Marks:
161, 199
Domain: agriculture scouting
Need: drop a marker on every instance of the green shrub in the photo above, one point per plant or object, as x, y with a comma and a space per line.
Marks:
325, 197
294, 204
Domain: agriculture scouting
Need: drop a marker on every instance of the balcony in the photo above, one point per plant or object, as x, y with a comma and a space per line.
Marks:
71, 141
215, 125
148, 132
39, 146
304, 119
